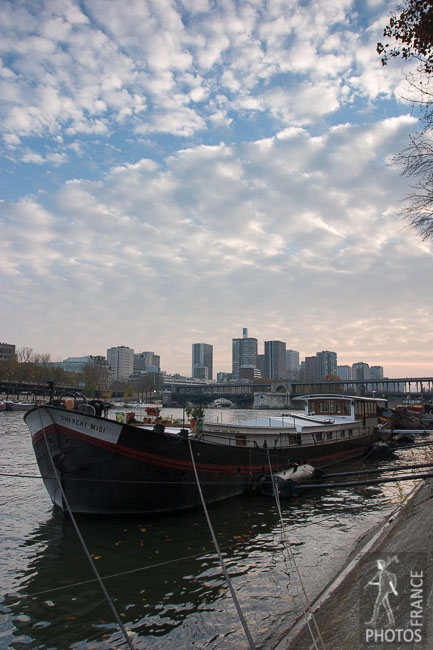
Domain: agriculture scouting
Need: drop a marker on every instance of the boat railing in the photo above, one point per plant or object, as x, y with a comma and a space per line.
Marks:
282, 438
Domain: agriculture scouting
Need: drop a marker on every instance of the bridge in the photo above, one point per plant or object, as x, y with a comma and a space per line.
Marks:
246, 395
29, 389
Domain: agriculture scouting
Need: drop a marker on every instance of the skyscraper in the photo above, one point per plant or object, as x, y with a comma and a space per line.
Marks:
275, 359
310, 365
326, 364
121, 362
244, 353
292, 364
361, 371
344, 372
376, 372
202, 360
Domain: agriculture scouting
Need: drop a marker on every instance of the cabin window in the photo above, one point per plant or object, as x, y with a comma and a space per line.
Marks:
329, 407
292, 439
365, 408
241, 441
329, 435
350, 432
342, 434
318, 436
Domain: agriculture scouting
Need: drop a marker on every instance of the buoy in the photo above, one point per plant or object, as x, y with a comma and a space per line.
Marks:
287, 481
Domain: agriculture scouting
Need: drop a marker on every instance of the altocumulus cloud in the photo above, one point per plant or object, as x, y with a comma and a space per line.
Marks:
178, 171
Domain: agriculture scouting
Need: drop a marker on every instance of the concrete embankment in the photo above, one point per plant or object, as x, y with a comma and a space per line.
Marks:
384, 596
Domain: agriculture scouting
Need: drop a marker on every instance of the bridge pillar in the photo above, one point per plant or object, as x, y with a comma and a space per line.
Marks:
272, 400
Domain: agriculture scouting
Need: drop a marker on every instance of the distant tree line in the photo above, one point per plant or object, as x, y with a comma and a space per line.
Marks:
32, 367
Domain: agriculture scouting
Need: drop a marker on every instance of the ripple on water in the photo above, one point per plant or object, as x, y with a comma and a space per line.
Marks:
178, 598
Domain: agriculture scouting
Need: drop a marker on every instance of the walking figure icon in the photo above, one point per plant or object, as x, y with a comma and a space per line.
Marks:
386, 583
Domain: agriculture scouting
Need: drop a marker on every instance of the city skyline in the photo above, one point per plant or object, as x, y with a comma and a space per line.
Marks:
202, 355
173, 171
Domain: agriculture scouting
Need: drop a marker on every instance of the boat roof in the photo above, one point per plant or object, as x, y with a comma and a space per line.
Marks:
289, 420
334, 396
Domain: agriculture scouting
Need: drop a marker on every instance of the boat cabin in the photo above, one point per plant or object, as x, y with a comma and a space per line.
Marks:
357, 408
326, 420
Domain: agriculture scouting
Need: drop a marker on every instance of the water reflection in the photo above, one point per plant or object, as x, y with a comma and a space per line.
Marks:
163, 573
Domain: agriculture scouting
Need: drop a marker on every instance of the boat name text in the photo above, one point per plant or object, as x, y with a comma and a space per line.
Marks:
84, 424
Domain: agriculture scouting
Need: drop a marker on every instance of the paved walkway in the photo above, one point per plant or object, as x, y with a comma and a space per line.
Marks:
398, 557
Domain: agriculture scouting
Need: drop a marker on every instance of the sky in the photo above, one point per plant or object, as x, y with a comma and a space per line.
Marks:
173, 171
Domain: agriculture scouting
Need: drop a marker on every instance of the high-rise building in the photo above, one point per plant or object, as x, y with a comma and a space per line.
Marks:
310, 368
361, 371
326, 364
292, 364
376, 372
261, 365
302, 371
344, 372
244, 353
202, 360
121, 362
275, 359
143, 360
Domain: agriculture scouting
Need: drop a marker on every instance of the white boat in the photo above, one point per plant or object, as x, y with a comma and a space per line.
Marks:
19, 406
331, 427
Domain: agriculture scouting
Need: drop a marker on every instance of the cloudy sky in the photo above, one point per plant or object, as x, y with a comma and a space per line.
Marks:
176, 170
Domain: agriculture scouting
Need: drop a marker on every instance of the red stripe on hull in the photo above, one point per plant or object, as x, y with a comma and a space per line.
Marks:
152, 459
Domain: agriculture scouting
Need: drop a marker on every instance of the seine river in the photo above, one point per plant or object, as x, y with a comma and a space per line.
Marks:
162, 573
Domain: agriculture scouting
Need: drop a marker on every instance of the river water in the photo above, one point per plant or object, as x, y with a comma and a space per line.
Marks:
162, 572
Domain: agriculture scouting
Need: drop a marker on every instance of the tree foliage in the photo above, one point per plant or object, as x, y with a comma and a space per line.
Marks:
412, 32
29, 366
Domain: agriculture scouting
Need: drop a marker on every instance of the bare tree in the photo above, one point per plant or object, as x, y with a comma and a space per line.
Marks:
410, 33
25, 355
416, 161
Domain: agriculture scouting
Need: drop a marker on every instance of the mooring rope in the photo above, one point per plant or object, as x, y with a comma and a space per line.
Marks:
82, 542
220, 557
286, 542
